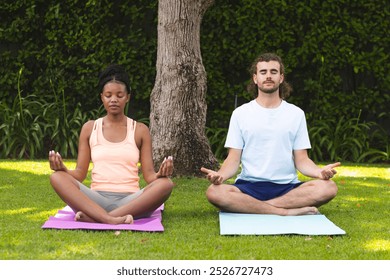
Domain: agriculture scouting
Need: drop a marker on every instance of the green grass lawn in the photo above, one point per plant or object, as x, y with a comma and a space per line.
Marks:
362, 209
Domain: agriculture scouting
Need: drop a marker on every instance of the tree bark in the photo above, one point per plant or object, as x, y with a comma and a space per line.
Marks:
178, 103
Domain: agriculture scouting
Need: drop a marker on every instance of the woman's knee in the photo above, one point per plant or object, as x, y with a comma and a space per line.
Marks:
165, 184
59, 179
56, 178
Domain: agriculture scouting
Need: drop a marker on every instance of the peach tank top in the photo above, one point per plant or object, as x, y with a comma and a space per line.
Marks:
114, 164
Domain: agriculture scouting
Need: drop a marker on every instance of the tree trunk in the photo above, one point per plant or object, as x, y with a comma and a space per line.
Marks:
178, 103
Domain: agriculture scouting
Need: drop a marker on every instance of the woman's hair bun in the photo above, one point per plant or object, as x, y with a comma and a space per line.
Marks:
114, 72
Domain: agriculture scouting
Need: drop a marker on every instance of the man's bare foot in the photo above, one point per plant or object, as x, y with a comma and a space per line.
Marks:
310, 210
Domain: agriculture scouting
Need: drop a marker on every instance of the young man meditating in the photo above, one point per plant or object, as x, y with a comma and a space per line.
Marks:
269, 138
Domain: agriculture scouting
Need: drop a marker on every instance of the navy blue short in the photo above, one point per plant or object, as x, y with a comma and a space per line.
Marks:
264, 190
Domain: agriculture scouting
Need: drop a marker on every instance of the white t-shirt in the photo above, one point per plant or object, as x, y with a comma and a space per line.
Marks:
267, 138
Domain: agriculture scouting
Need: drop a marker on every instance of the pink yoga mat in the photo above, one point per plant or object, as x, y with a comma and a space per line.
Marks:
64, 219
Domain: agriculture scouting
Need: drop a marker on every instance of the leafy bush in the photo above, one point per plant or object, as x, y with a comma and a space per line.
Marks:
381, 153
20, 129
217, 138
39, 127
33, 125
339, 139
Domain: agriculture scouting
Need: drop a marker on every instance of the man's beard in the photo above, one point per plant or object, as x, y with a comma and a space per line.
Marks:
268, 90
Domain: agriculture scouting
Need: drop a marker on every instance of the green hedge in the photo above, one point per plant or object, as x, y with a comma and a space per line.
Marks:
336, 52
62, 46
336, 55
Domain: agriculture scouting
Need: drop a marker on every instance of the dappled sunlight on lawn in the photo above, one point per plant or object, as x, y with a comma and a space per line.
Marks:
42, 215
378, 245
351, 171
30, 213
363, 182
372, 184
82, 249
360, 175
4, 187
17, 211
354, 198
191, 223
35, 167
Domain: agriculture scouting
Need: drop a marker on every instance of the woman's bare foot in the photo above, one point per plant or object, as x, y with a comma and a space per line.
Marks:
128, 219
81, 217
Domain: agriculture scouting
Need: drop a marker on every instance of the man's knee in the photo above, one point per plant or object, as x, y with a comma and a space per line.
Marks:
326, 191
213, 195
331, 189
209, 192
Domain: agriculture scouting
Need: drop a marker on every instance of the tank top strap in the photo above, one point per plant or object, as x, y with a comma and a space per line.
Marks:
96, 133
131, 125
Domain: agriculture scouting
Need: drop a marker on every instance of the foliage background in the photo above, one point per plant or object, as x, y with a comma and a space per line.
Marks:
336, 55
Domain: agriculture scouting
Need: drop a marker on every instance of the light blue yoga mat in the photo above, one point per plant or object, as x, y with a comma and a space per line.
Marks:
259, 224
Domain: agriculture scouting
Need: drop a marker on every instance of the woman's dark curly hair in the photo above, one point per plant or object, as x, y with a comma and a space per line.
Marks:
114, 72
